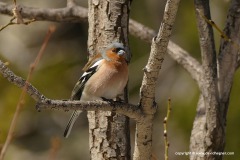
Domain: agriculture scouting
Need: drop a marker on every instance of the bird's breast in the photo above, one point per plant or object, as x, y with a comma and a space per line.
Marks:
108, 82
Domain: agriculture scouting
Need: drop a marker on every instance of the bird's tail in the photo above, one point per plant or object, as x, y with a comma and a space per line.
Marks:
71, 122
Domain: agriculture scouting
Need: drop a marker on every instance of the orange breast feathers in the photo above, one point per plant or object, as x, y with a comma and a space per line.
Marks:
110, 79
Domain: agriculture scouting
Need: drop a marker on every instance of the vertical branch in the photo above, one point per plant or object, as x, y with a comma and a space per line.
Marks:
108, 131
208, 133
205, 32
212, 140
165, 121
143, 140
228, 55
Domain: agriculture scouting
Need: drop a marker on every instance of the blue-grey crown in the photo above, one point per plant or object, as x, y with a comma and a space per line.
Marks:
116, 45
120, 50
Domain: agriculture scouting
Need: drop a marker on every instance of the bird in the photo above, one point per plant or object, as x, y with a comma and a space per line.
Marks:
105, 77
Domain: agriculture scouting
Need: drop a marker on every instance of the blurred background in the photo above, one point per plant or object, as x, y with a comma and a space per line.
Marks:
38, 134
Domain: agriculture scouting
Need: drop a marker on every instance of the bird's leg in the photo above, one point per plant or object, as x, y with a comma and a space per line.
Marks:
118, 99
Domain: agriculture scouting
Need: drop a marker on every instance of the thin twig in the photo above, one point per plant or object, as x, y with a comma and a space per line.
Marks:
220, 31
165, 121
16, 11
23, 94
8, 24
13, 23
20, 82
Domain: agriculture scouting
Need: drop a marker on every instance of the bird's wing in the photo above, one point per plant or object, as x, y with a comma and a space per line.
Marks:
77, 93
78, 89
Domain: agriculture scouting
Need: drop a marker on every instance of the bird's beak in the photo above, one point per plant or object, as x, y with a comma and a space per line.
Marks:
121, 52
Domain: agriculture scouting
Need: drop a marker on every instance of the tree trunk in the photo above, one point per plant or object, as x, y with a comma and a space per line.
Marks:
108, 132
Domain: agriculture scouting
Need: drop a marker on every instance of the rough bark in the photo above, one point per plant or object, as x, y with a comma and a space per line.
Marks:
198, 132
214, 130
208, 134
228, 56
108, 131
143, 137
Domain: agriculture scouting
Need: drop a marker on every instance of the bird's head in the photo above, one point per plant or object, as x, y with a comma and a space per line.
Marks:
115, 51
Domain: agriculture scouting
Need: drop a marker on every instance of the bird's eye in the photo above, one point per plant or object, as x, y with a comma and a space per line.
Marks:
114, 50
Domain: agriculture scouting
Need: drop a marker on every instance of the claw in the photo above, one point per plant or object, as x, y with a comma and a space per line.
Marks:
112, 102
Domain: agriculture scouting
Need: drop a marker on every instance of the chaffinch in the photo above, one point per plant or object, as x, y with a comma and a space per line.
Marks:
105, 77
